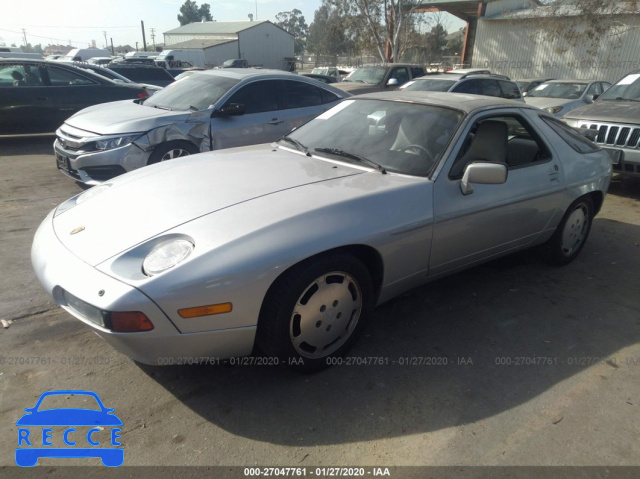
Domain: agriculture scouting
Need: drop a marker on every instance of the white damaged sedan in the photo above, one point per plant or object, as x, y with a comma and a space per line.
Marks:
289, 246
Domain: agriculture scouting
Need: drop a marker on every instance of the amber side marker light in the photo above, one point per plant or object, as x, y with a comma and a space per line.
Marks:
205, 310
130, 322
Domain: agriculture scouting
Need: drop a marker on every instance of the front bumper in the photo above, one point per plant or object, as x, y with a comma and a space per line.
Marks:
58, 270
95, 167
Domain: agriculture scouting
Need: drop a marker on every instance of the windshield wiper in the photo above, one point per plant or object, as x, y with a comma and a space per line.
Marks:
297, 144
353, 156
626, 99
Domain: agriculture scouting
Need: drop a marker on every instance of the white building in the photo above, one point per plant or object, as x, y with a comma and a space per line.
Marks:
260, 43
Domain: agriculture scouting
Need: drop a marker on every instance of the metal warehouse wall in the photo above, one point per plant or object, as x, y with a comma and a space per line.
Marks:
265, 45
507, 47
217, 55
173, 38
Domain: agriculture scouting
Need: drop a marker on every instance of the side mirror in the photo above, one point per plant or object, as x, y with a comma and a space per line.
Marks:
393, 82
231, 109
483, 174
589, 99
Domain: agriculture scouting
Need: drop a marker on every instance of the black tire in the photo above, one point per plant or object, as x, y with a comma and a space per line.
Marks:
316, 311
572, 233
171, 150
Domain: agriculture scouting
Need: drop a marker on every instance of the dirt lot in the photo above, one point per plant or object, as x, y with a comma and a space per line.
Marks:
537, 366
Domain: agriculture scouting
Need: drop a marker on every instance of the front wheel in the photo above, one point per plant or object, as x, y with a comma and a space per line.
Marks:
171, 150
570, 237
316, 311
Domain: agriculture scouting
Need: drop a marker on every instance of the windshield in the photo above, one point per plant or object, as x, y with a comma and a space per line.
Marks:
192, 92
401, 137
568, 90
371, 75
429, 85
626, 89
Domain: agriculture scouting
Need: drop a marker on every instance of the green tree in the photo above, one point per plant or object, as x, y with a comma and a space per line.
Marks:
294, 23
191, 13
331, 33
386, 21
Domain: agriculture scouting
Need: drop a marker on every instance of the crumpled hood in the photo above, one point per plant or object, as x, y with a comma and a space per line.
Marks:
123, 117
149, 201
608, 111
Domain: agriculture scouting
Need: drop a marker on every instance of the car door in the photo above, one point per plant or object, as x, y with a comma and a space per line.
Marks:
26, 104
495, 219
262, 122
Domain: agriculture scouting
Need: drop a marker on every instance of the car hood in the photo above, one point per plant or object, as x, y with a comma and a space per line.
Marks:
356, 87
160, 197
542, 102
610, 111
123, 117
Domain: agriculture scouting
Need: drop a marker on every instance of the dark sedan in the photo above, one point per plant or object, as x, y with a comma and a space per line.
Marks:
37, 96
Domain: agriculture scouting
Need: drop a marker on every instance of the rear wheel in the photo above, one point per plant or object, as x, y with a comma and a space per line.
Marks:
171, 150
572, 233
316, 311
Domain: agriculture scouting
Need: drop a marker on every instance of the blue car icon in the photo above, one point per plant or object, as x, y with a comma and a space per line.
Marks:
68, 417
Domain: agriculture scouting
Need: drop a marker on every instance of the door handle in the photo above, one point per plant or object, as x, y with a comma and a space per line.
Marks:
43, 98
275, 121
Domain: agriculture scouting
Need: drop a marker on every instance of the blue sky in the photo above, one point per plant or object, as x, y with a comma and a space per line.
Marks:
81, 22
84, 21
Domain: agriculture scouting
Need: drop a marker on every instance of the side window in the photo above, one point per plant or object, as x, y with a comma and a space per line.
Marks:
595, 89
490, 88
401, 74
505, 139
328, 97
257, 97
60, 77
300, 95
509, 90
417, 72
469, 86
19, 75
574, 139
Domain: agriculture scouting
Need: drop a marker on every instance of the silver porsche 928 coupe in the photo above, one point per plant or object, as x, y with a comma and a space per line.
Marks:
289, 246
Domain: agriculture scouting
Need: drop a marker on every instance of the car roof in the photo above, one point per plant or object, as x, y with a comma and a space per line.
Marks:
391, 65
572, 80
247, 73
462, 76
460, 101
241, 73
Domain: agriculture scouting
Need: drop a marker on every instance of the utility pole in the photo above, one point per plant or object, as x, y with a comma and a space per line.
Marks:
153, 38
144, 40
24, 35
106, 43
